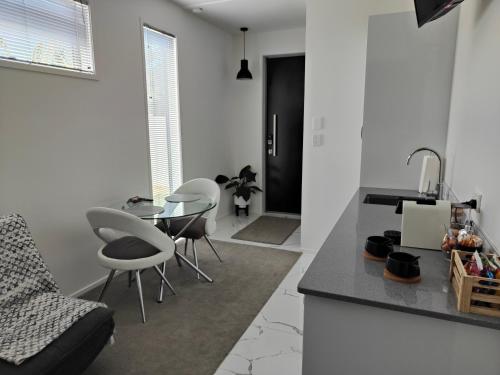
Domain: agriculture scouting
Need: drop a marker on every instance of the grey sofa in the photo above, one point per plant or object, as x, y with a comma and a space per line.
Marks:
42, 332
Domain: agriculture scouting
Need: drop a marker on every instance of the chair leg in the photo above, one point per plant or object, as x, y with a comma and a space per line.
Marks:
195, 258
186, 247
141, 299
213, 248
108, 281
164, 278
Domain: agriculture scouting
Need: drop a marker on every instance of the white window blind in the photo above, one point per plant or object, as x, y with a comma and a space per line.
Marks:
55, 33
160, 51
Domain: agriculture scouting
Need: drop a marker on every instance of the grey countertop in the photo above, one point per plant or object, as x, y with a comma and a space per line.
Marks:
339, 270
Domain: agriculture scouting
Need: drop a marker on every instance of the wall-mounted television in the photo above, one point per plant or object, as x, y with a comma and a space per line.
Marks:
430, 10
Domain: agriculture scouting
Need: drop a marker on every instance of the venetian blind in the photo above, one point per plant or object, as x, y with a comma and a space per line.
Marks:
160, 51
55, 33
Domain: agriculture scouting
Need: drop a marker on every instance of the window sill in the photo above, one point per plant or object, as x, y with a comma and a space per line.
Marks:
47, 70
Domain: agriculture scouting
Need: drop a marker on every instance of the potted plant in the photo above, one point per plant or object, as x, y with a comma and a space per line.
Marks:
243, 187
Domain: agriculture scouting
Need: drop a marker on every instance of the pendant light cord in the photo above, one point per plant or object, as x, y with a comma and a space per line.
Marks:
244, 30
244, 45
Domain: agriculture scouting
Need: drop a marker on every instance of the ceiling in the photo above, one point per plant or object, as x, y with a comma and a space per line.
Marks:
257, 15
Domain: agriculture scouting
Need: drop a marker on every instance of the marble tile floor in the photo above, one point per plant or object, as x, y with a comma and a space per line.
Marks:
272, 344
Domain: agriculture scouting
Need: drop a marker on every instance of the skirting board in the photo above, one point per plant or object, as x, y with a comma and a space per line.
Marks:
92, 285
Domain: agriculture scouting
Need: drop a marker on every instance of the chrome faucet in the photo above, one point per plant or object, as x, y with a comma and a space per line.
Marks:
439, 186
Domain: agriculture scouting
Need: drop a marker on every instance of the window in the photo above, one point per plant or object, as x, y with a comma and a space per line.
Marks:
47, 33
160, 51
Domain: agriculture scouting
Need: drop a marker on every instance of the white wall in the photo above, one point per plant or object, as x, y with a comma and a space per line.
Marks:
336, 40
473, 150
409, 73
245, 104
67, 144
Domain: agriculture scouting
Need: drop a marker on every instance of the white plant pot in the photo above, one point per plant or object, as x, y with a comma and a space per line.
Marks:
240, 202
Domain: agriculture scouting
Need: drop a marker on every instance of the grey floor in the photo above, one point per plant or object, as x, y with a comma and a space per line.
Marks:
192, 332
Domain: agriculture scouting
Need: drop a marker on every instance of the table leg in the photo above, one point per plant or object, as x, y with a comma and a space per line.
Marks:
166, 225
160, 293
194, 268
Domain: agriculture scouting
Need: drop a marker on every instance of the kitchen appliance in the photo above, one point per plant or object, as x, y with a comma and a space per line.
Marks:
424, 225
429, 177
430, 10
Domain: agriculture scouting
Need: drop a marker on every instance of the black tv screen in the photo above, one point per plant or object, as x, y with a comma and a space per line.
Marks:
430, 10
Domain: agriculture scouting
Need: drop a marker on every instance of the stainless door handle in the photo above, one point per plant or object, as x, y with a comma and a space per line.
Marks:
275, 128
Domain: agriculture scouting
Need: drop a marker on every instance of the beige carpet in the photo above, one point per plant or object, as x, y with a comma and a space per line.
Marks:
268, 229
190, 333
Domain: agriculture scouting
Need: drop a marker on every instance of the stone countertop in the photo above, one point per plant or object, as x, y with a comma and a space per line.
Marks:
339, 270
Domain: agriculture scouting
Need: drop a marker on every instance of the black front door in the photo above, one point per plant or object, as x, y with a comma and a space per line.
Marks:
284, 133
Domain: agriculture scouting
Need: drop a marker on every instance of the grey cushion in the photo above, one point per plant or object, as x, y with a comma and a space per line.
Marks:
129, 248
195, 230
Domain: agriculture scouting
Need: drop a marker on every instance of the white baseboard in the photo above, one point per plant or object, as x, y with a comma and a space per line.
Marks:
91, 286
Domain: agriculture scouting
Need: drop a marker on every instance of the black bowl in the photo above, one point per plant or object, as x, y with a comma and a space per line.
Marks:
403, 265
379, 246
394, 235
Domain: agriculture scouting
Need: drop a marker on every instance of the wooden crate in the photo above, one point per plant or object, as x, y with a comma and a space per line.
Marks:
473, 292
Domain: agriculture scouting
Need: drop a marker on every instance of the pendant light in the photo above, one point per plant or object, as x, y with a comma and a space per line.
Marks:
244, 73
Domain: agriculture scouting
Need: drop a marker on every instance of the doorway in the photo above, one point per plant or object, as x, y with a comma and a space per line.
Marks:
284, 129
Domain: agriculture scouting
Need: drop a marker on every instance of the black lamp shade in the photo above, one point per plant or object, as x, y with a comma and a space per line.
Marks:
244, 73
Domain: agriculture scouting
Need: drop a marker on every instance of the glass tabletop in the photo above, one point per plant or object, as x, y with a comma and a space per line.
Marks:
173, 210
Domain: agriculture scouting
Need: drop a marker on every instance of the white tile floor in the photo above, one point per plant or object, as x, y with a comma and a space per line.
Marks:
272, 344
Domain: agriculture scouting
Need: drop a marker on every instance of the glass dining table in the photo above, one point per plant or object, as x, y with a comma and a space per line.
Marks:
165, 211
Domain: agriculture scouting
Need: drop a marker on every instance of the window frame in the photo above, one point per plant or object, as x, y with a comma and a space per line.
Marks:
55, 70
143, 24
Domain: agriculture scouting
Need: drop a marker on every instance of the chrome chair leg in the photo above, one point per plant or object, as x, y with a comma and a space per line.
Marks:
212, 247
108, 281
195, 254
141, 299
164, 278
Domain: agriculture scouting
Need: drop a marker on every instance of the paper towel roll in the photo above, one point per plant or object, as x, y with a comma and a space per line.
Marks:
429, 177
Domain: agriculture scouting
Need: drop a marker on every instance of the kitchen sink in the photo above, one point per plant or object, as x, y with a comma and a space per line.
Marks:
393, 200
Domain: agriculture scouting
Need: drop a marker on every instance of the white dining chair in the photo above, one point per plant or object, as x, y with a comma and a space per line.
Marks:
204, 226
131, 244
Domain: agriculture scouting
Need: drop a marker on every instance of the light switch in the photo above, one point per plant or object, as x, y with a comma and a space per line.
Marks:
317, 123
318, 140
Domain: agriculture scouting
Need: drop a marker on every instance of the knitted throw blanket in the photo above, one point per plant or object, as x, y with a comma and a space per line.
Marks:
33, 312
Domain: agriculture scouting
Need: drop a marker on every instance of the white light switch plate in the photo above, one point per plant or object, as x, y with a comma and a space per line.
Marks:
317, 123
318, 140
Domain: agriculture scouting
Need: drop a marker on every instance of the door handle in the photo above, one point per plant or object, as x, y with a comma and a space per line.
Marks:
275, 137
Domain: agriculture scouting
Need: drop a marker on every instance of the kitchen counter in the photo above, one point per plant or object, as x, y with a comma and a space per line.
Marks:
340, 272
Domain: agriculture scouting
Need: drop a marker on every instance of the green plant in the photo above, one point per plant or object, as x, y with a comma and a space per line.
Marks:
242, 184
